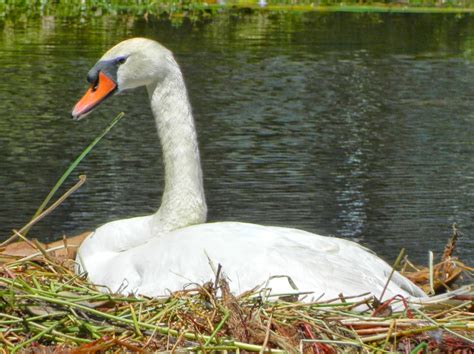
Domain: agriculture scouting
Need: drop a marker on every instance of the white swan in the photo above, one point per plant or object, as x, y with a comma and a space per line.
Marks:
156, 254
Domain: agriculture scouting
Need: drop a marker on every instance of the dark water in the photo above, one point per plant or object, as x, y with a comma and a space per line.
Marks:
360, 126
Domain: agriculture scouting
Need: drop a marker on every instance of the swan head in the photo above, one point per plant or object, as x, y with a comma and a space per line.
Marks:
132, 63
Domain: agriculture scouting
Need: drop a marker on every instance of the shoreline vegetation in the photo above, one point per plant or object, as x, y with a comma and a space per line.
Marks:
198, 9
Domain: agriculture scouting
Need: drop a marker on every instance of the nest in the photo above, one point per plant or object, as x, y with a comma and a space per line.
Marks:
46, 307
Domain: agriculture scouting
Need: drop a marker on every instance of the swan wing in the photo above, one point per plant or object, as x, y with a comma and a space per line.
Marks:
250, 255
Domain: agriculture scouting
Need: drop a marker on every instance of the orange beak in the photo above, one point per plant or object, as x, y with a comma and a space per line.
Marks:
94, 95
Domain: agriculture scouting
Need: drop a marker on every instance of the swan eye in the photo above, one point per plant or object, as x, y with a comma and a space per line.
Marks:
121, 60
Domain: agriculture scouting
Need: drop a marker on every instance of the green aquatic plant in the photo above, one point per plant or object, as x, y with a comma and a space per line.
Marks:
21, 9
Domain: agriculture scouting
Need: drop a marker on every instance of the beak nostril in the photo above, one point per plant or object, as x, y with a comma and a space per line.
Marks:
95, 85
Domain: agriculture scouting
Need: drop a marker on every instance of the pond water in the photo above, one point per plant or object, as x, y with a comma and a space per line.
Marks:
355, 125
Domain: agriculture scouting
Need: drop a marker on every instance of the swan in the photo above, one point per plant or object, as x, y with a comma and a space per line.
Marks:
156, 254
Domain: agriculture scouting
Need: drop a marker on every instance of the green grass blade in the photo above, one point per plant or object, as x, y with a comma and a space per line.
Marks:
76, 162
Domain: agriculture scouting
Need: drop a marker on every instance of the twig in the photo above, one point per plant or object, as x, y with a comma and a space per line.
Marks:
267, 333
395, 265
218, 327
431, 272
39, 335
444, 327
82, 180
34, 255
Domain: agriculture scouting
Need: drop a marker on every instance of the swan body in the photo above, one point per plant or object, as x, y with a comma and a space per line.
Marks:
160, 253
250, 255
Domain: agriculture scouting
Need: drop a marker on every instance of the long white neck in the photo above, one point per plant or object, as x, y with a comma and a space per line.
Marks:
183, 202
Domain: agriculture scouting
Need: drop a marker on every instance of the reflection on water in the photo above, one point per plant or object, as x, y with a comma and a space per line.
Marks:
353, 125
